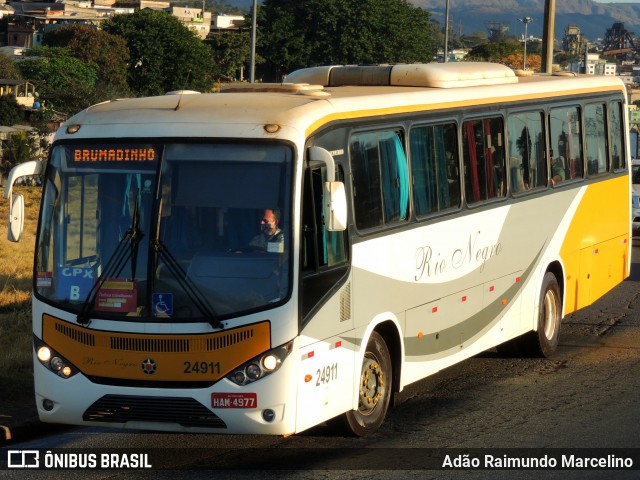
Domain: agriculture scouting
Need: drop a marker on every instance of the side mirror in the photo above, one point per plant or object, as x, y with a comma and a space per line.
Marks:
335, 206
16, 202
335, 198
16, 218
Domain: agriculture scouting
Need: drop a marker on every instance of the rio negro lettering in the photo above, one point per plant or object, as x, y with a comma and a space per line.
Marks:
429, 263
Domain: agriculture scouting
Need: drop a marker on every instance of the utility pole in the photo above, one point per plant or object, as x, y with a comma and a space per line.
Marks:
446, 32
526, 21
548, 35
252, 74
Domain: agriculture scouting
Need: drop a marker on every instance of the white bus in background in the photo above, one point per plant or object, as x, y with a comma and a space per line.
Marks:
426, 213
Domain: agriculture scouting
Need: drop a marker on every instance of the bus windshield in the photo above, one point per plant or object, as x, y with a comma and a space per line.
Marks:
191, 232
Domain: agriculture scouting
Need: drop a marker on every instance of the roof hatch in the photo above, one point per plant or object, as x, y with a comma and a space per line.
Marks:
435, 75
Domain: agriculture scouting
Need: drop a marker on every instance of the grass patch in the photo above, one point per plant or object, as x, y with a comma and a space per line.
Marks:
16, 274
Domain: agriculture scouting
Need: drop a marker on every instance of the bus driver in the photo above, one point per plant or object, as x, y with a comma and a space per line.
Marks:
271, 238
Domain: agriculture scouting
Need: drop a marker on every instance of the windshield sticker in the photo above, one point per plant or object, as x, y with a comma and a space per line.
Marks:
162, 304
117, 295
112, 154
44, 280
74, 283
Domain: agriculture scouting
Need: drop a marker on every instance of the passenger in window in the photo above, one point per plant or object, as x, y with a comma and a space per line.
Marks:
517, 181
271, 238
558, 170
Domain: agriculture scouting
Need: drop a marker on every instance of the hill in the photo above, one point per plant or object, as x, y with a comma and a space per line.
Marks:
593, 18
470, 16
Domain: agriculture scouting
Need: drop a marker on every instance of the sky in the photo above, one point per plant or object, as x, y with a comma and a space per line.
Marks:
617, 1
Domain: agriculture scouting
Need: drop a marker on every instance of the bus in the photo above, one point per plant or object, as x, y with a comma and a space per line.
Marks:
412, 216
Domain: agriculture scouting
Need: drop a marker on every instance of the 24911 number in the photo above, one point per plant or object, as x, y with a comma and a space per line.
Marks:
202, 368
326, 374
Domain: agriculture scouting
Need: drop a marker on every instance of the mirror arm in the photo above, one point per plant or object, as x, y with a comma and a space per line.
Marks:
34, 167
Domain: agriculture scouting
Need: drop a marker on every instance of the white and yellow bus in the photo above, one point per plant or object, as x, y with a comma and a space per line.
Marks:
411, 216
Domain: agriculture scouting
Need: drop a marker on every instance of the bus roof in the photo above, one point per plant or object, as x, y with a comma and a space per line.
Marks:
322, 95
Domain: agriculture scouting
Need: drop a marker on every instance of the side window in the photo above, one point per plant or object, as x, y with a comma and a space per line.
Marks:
595, 138
616, 136
434, 168
566, 144
527, 162
320, 247
484, 159
380, 178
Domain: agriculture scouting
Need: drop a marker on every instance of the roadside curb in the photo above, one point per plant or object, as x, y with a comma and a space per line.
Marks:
23, 426
17, 425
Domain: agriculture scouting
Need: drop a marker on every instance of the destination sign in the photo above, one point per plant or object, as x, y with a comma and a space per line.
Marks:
114, 154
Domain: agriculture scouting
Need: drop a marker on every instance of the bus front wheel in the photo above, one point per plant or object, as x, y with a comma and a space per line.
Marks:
374, 389
543, 342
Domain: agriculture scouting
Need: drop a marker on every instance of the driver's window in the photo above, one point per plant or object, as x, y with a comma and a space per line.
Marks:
321, 248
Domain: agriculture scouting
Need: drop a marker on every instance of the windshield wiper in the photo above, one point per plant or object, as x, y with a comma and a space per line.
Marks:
116, 263
190, 288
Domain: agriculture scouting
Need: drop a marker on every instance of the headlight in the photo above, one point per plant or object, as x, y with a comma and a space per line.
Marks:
53, 361
261, 366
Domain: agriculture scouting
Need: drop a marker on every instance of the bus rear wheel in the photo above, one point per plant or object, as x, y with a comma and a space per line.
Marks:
544, 342
374, 389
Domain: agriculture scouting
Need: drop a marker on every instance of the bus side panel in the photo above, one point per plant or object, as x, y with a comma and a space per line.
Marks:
466, 284
327, 362
596, 254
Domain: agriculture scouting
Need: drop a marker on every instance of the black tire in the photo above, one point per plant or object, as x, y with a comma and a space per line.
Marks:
543, 342
375, 387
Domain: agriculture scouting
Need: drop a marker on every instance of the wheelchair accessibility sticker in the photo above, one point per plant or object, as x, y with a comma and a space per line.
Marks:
162, 304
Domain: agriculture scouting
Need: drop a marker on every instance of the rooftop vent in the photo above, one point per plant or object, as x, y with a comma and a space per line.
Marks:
302, 88
435, 75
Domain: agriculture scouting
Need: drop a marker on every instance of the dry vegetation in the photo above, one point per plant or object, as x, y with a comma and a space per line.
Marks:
16, 272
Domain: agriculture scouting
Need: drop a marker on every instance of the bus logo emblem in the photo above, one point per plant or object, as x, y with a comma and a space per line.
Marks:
149, 366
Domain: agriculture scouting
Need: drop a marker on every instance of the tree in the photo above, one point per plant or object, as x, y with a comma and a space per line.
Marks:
474, 39
516, 61
300, 33
9, 69
64, 82
10, 110
495, 51
107, 53
164, 54
20, 148
231, 52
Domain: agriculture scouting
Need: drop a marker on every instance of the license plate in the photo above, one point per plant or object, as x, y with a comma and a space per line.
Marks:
234, 400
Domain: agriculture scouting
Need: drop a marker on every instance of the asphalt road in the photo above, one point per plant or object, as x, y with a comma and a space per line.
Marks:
587, 397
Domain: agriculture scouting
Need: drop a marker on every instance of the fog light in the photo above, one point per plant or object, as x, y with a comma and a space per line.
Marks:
44, 354
66, 371
47, 404
268, 415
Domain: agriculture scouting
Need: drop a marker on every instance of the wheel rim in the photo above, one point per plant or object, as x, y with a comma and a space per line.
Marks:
372, 386
551, 314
